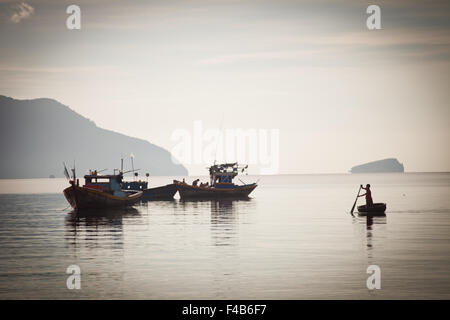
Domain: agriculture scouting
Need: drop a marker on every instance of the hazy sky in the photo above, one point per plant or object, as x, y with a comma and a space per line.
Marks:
339, 93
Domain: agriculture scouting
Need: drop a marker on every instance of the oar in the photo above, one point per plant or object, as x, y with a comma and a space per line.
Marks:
353, 208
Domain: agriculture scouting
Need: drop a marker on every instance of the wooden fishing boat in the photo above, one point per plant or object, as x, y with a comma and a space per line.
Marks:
377, 209
148, 194
100, 191
166, 192
219, 191
221, 184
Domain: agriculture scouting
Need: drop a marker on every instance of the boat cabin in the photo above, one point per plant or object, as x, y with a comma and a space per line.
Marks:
135, 185
222, 175
104, 183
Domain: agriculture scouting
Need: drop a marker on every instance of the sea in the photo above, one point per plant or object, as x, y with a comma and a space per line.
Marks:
293, 239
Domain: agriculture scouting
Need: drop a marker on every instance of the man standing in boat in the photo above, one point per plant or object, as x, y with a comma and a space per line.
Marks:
368, 194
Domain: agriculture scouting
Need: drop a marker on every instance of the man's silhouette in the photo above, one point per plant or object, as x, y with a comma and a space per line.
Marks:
368, 194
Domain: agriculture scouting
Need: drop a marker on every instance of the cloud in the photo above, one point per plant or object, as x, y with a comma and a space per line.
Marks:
22, 11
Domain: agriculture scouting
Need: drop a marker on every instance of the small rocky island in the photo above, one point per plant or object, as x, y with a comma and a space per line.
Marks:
386, 165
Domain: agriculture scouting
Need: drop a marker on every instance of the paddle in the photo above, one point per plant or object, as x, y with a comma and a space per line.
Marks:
353, 208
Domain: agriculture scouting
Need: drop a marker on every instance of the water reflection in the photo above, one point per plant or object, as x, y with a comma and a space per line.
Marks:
98, 218
370, 221
222, 211
92, 227
374, 231
224, 217
152, 206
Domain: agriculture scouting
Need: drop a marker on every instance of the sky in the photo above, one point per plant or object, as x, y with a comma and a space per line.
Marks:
334, 93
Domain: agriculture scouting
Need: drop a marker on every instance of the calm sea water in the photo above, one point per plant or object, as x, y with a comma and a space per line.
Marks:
294, 239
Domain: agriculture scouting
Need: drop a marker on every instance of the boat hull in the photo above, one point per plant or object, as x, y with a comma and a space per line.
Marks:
159, 193
378, 209
86, 198
195, 192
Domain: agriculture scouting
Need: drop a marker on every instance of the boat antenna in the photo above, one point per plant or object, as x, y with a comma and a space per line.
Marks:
73, 170
132, 164
241, 181
130, 171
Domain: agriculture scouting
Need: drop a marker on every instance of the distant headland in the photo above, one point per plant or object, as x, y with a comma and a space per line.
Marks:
38, 135
385, 165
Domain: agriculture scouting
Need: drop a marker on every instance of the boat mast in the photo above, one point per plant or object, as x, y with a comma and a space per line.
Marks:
132, 165
73, 171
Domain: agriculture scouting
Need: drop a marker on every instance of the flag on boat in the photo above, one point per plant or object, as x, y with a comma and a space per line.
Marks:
66, 173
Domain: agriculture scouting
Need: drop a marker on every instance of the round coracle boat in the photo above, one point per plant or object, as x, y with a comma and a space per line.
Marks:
377, 209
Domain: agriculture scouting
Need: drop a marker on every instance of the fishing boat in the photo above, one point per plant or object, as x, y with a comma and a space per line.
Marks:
99, 191
148, 194
377, 209
220, 186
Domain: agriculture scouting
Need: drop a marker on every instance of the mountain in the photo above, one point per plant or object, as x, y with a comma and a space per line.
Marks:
386, 165
38, 135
